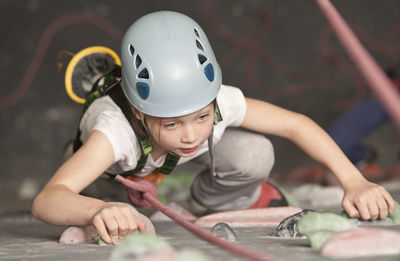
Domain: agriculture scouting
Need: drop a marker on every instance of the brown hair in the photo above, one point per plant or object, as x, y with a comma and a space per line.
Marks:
139, 125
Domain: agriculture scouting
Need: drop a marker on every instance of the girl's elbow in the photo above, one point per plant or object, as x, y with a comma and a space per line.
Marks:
298, 123
35, 209
302, 118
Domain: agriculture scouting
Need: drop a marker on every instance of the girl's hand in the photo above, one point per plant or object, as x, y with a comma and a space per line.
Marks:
116, 221
367, 200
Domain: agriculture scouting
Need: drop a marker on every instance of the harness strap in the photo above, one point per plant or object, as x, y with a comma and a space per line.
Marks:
110, 80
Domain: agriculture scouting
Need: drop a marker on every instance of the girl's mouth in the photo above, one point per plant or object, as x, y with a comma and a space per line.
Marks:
190, 150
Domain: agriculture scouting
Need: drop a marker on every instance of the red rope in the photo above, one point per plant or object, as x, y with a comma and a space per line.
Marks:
196, 230
378, 81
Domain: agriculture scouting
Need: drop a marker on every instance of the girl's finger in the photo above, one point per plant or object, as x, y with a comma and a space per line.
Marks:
101, 228
131, 220
373, 209
350, 209
123, 224
112, 227
389, 200
383, 207
363, 210
140, 225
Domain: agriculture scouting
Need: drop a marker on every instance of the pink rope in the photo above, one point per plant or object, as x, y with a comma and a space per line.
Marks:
378, 81
196, 230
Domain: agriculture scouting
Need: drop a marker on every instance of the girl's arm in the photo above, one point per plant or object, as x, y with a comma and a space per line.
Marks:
60, 203
362, 198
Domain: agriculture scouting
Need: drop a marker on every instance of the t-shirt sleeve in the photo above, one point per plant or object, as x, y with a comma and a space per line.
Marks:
232, 105
103, 115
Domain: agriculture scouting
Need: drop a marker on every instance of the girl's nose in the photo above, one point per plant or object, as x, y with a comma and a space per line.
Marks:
189, 135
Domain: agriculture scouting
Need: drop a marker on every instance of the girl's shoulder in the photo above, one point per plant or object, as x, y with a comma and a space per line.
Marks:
229, 91
232, 105
105, 116
103, 105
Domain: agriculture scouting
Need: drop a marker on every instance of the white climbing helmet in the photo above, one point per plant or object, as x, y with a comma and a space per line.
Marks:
168, 66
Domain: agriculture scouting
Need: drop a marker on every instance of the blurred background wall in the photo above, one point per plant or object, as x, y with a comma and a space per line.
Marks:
281, 51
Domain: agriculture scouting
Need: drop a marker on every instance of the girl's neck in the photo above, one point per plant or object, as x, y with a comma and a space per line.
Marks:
157, 151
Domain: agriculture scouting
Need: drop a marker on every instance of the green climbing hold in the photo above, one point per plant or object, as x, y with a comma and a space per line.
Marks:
345, 215
192, 255
395, 216
101, 242
138, 245
145, 247
318, 227
318, 238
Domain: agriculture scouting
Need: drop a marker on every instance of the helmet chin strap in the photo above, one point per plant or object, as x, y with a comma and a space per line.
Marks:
217, 118
210, 151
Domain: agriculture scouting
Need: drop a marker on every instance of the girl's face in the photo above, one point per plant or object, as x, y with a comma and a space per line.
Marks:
183, 135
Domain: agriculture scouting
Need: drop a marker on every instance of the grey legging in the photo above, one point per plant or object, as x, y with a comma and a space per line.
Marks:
243, 161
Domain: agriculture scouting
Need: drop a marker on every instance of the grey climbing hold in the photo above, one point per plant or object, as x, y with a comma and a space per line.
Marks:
288, 227
224, 231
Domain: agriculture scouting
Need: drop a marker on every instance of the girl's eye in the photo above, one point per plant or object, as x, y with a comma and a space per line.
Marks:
170, 125
203, 117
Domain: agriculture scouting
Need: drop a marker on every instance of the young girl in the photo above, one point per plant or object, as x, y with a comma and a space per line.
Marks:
173, 108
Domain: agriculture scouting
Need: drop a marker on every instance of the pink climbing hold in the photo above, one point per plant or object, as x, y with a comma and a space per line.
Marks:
362, 242
249, 217
74, 235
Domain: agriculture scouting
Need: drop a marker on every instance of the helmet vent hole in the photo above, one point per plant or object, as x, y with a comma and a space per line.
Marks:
196, 32
138, 61
131, 49
144, 74
143, 90
209, 72
202, 58
199, 45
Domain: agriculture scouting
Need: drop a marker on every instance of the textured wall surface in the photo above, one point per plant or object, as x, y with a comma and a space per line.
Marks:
280, 51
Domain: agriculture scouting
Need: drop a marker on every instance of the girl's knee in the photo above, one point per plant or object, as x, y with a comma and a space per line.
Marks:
260, 159
253, 156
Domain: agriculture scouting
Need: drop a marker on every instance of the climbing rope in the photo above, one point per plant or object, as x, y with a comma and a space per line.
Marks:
377, 79
146, 189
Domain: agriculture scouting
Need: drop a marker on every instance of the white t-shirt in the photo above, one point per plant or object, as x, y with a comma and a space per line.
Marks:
105, 116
